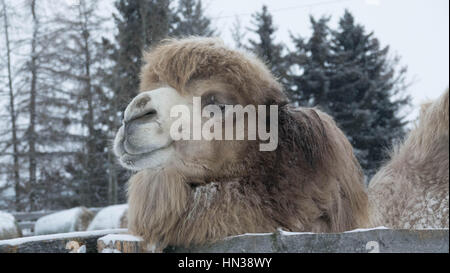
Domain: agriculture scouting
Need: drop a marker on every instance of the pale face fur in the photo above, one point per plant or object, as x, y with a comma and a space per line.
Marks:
144, 140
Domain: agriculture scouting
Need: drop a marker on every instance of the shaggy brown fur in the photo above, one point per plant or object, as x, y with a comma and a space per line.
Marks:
180, 62
312, 182
411, 191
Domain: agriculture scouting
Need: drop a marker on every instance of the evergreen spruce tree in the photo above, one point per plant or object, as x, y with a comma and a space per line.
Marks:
190, 20
265, 46
368, 89
309, 65
349, 75
237, 33
140, 25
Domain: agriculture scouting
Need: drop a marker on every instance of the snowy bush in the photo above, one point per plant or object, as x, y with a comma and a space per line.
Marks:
8, 227
76, 219
110, 218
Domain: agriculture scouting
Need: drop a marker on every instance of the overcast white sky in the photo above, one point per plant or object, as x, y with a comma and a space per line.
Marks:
417, 30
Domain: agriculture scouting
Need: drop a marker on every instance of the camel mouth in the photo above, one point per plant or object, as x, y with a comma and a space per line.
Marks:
132, 160
128, 156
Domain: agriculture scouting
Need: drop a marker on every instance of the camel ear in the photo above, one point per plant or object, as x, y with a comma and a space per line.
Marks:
279, 103
282, 104
275, 94
304, 131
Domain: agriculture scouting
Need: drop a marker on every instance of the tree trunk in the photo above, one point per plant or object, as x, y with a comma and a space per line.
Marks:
32, 126
90, 115
112, 182
143, 14
17, 188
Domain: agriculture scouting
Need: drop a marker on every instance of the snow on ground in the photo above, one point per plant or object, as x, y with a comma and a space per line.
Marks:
287, 233
110, 250
365, 229
8, 226
84, 234
7, 221
109, 217
62, 222
249, 234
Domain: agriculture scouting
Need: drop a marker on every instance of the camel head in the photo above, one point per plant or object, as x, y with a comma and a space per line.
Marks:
198, 74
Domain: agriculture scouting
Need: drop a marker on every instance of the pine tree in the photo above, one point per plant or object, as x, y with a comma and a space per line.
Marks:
369, 90
140, 25
309, 71
266, 47
111, 118
237, 33
349, 75
190, 20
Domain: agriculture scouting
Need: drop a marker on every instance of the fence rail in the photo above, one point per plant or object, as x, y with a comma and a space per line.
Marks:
378, 240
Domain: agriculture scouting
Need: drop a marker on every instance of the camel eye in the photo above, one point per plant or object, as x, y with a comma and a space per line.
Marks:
216, 98
211, 100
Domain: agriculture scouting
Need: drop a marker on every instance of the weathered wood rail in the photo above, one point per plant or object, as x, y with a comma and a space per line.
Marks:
378, 240
57, 243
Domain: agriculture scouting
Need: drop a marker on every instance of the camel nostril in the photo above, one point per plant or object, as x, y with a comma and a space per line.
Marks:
150, 113
144, 116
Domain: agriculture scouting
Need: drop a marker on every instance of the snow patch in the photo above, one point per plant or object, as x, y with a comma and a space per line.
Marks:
288, 233
366, 229
7, 222
250, 234
203, 197
8, 226
108, 218
60, 222
110, 250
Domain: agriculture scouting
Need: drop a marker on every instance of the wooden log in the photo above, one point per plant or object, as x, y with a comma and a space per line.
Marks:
122, 243
75, 242
377, 240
